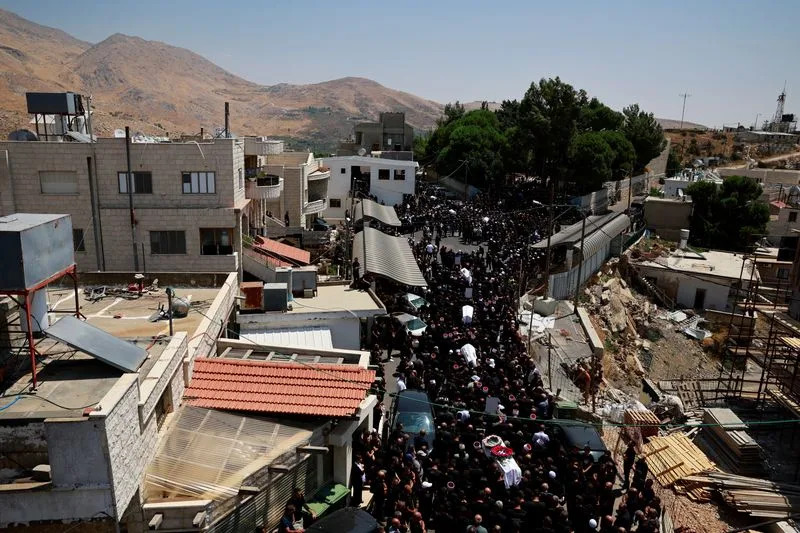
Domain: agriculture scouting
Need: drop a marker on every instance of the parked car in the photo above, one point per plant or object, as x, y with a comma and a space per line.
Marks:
413, 410
579, 435
413, 324
347, 520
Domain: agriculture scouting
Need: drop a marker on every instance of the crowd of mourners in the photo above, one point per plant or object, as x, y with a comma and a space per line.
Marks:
451, 483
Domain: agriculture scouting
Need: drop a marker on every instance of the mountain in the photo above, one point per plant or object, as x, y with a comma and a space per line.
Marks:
670, 124
157, 88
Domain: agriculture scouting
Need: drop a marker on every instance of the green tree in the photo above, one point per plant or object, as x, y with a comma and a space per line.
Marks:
591, 160
475, 137
673, 163
624, 153
596, 116
727, 217
645, 134
451, 112
420, 146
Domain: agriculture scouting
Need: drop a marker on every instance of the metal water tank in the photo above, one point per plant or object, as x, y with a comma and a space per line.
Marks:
276, 296
34, 248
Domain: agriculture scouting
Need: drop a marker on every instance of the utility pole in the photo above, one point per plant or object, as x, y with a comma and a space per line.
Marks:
684, 96
549, 234
129, 183
755, 125
466, 180
580, 263
630, 188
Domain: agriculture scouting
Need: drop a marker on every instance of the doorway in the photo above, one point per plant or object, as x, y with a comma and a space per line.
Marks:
699, 298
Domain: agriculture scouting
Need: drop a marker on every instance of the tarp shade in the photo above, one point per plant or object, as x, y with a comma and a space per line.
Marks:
387, 256
383, 213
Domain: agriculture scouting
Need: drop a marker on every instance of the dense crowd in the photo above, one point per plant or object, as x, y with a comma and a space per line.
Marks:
475, 368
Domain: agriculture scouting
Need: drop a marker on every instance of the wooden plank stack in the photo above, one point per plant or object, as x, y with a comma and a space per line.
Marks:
731, 447
645, 421
672, 459
757, 497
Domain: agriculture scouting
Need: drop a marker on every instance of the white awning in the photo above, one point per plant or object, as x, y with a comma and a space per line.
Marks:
572, 233
600, 236
383, 213
387, 256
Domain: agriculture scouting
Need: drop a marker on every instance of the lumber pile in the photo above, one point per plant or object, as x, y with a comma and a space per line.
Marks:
645, 421
673, 459
731, 447
784, 401
756, 497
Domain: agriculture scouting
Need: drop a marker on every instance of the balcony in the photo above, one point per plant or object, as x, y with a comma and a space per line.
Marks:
262, 146
315, 206
264, 188
322, 173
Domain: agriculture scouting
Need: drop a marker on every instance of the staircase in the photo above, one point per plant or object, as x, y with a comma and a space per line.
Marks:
652, 290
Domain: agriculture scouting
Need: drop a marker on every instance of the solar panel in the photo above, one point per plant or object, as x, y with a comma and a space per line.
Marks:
99, 344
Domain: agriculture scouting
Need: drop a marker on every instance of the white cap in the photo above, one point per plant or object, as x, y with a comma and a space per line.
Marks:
551, 474
427, 484
592, 523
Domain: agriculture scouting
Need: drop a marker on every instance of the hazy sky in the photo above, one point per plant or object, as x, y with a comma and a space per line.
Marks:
731, 56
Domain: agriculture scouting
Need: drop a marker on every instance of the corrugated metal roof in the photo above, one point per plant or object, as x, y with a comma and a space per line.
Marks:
599, 236
572, 233
383, 213
319, 338
278, 388
387, 256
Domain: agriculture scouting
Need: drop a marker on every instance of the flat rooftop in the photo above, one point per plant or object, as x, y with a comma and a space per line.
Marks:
332, 298
712, 263
127, 316
68, 381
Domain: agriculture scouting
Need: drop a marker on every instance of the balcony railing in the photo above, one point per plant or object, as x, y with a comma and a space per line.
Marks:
315, 206
262, 146
264, 188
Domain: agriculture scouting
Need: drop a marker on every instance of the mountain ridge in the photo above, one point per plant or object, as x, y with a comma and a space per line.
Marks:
157, 88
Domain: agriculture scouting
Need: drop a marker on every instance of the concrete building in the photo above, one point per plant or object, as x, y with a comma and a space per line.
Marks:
77, 449
676, 186
783, 220
385, 179
765, 176
794, 303
189, 200
283, 184
390, 133
697, 280
667, 216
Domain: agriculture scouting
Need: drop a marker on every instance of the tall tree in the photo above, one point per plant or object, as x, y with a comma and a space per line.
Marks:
477, 138
596, 116
645, 134
624, 153
591, 160
729, 216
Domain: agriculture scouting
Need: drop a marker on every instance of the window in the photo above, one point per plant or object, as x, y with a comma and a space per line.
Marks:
58, 182
383, 173
335, 202
215, 241
268, 180
400, 174
241, 178
199, 182
142, 182
78, 245
342, 170
167, 242
783, 273
793, 216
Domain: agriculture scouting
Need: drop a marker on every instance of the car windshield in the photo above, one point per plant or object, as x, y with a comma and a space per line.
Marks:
414, 422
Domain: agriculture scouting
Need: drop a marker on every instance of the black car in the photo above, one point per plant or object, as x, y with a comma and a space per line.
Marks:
574, 434
413, 410
347, 520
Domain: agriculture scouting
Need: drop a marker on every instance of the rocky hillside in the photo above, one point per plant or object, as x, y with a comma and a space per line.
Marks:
158, 88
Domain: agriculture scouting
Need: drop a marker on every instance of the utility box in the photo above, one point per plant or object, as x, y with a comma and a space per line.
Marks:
303, 279
284, 275
253, 292
33, 247
276, 296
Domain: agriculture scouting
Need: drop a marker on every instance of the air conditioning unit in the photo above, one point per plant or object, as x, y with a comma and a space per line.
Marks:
276, 296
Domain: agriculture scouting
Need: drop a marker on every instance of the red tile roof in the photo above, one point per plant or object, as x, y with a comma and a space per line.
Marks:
278, 388
282, 251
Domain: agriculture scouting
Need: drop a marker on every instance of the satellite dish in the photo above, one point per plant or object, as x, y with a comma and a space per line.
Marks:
362, 151
22, 135
119, 134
